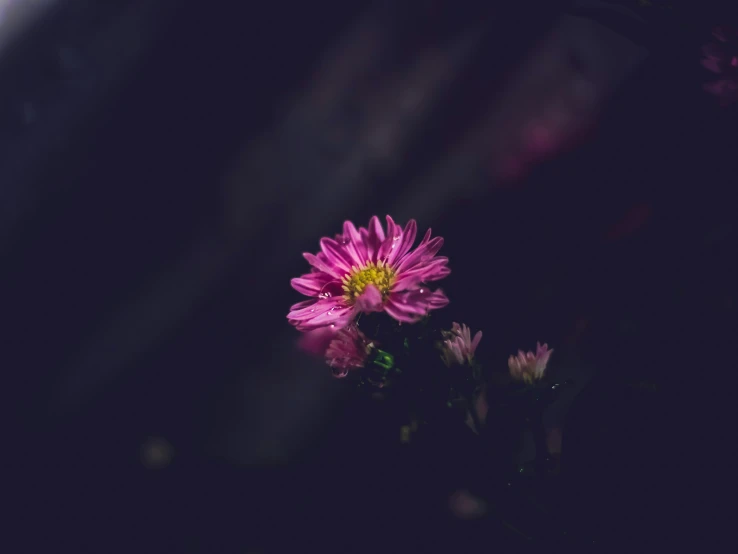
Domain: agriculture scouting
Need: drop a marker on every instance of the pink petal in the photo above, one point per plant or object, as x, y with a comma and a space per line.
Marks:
711, 65
340, 317
409, 259
316, 342
322, 264
408, 281
413, 305
336, 255
724, 89
423, 252
311, 284
357, 246
394, 234
406, 243
722, 33
475, 342
374, 238
542, 350
432, 248
433, 270
312, 314
453, 353
437, 300
302, 304
426, 238
713, 51
370, 300
375, 229
309, 308
398, 242
402, 313
366, 242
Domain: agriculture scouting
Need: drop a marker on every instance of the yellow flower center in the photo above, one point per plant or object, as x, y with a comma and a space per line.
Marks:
380, 275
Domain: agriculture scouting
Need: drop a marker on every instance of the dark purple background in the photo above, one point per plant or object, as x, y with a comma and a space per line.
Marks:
147, 275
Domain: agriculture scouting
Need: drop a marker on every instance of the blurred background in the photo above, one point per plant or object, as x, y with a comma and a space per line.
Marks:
164, 164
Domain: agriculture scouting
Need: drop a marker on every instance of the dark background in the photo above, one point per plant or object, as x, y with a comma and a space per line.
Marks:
163, 165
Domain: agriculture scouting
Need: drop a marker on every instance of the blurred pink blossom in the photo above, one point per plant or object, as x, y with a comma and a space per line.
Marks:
316, 342
459, 347
348, 350
721, 58
529, 367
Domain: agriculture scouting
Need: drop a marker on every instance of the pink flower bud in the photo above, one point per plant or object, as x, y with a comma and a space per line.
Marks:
458, 347
529, 367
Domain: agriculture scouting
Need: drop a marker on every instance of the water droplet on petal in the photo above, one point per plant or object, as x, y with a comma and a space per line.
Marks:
396, 237
422, 291
333, 325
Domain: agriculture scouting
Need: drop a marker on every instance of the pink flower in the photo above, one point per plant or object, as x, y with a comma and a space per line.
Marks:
348, 350
316, 342
721, 57
529, 367
458, 348
368, 270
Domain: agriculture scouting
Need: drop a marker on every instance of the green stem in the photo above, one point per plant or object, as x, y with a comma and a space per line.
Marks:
384, 359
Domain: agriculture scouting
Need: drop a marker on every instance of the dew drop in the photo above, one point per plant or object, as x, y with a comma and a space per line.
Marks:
333, 325
422, 291
396, 237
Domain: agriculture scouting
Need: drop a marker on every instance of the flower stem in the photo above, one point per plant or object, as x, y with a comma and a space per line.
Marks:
384, 359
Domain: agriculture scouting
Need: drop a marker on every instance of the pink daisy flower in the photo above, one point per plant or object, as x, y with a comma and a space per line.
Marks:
529, 367
459, 347
348, 350
368, 270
